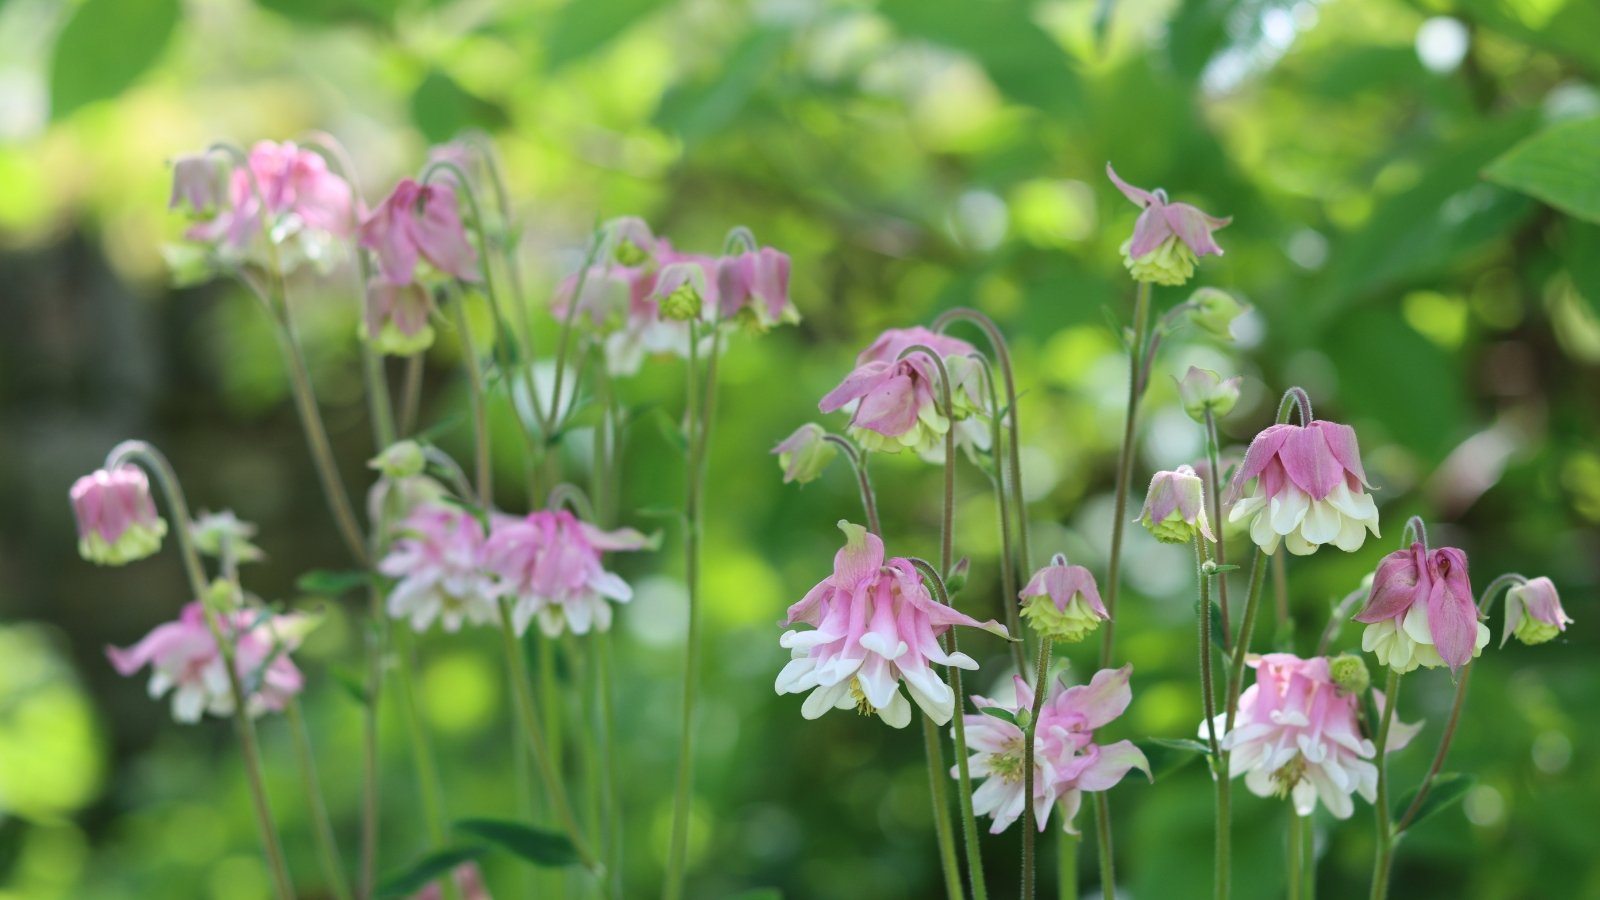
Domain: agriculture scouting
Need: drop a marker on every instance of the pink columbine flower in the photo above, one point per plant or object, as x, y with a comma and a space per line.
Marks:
1296, 735
875, 625
894, 403
419, 222
196, 184
623, 302
117, 520
1533, 612
1168, 239
469, 882
1175, 507
1310, 489
550, 564
1421, 612
183, 658
754, 287
1066, 761
1062, 602
396, 318
308, 209
439, 561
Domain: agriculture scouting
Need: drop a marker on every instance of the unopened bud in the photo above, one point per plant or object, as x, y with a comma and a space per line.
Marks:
400, 460
1349, 673
1213, 311
681, 291
1202, 389
956, 579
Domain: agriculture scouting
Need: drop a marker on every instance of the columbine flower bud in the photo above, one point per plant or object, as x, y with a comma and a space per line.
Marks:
1349, 673
1168, 239
211, 530
1213, 311
632, 243
1202, 389
222, 597
196, 184
402, 459
1175, 507
804, 454
1062, 602
1534, 613
680, 292
117, 520
956, 579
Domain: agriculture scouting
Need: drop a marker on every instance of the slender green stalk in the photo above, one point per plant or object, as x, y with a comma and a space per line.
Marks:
1008, 557
1066, 866
1214, 491
321, 827
943, 830
1102, 827
858, 464
376, 639
608, 768
152, 460
1222, 864
421, 748
411, 395
1380, 807
482, 465
528, 716
1041, 673
1241, 643
1119, 511
1297, 840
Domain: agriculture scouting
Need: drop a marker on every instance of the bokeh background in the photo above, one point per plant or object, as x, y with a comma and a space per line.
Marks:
912, 155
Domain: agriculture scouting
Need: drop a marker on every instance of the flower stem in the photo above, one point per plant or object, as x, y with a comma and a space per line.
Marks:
1241, 643
1119, 511
411, 395
943, 832
1029, 832
1222, 864
608, 768
322, 828
858, 463
1297, 838
1066, 866
1213, 484
1380, 807
482, 465
156, 463
1439, 756
1008, 556
1102, 825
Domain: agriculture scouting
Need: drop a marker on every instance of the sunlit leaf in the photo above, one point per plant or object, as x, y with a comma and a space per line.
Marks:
1004, 715
1023, 61
1560, 166
106, 46
583, 26
441, 109
542, 848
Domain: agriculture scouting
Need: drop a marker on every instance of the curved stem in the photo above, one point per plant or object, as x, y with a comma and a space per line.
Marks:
491, 163
411, 395
1416, 531
1223, 862
1029, 831
152, 460
1213, 483
1119, 511
858, 463
1336, 620
571, 495
316, 806
947, 522
944, 832
566, 327
1295, 399
1380, 807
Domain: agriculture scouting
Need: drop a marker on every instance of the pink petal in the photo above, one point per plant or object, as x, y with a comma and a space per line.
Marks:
1149, 231
856, 385
1310, 463
1263, 450
1104, 698
1111, 763
1341, 440
1194, 228
1139, 196
1452, 614
1400, 580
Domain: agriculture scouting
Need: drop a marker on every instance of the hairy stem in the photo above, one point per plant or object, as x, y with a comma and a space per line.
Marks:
1029, 832
1222, 864
942, 828
1380, 807
316, 806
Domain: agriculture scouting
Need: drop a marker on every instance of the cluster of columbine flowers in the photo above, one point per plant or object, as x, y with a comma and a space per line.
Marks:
436, 548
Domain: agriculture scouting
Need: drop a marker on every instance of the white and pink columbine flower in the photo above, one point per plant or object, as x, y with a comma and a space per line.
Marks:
419, 223
1533, 612
1297, 735
874, 625
550, 564
1310, 489
1066, 761
184, 659
1421, 611
753, 287
438, 558
1062, 602
117, 520
1168, 239
308, 209
1175, 507
895, 403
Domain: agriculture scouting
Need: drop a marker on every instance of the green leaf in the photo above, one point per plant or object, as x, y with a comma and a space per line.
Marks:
441, 109
1448, 789
331, 583
759, 894
333, 12
701, 109
1560, 166
1168, 755
548, 849
583, 26
1004, 715
106, 46
1024, 62
427, 869
351, 683
1580, 251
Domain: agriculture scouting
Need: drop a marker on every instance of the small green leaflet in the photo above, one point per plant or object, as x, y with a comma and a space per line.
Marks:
1448, 789
542, 848
427, 869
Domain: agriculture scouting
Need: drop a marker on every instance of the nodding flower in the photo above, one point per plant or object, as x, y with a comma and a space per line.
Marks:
549, 563
1062, 602
1310, 489
1533, 612
1420, 611
1175, 507
1168, 239
895, 402
419, 222
117, 519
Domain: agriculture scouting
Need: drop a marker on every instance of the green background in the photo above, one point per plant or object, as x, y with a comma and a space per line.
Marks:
911, 155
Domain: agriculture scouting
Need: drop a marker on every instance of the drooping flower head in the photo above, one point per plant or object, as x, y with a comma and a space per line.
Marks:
395, 320
805, 453
117, 520
1421, 611
1168, 239
419, 222
753, 287
1202, 390
1062, 602
1297, 735
1175, 507
438, 558
184, 659
550, 564
895, 402
1310, 489
197, 184
212, 531
874, 625
307, 208
1533, 612
1066, 761
623, 302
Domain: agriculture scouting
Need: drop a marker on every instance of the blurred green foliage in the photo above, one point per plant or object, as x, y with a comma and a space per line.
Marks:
912, 155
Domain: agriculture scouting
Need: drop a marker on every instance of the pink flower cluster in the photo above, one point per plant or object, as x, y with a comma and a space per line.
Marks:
184, 658
1066, 759
547, 563
306, 208
874, 626
1297, 735
896, 403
